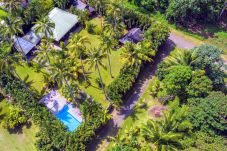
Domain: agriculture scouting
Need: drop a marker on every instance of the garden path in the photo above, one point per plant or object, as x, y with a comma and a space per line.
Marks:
145, 77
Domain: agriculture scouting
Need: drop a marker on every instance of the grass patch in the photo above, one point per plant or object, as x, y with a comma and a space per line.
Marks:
36, 79
24, 141
220, 40
2, 13
116, 65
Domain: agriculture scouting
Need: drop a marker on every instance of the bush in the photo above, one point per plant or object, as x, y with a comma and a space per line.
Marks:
15, 118
197, 10
177, 79
90, 28
122, 83
209, 114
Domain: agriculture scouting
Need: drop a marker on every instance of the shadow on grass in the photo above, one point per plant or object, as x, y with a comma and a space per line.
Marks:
19, 129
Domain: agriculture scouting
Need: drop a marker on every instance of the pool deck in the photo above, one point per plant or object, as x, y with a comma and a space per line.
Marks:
55, 102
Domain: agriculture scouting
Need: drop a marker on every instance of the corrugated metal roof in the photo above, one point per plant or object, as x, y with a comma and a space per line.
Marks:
64, 21
134, 35
23, 44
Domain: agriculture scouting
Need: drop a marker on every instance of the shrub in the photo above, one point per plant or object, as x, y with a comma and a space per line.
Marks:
15, 118
122, 84
209, 114
177, 79
90, 28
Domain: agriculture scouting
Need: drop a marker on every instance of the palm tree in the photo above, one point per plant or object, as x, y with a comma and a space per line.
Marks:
114, 11
223, 9
95, 59
44, 27
167, 132
6, 58
133, 54
10, 29
61, 3
163, 141
115, 31
181, 57
108, 44
77, 47
100, 7
64, 71
12, 6
44, 49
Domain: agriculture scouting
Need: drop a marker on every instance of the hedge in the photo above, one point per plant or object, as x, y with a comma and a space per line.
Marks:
122, 84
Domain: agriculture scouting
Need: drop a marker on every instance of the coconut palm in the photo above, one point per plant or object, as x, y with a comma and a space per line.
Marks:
6, 58
166, 133
181, 57
44, 27
94, 60
77, 47
64, 72
10, 30
100, 8
163, 141
108, 44
132, 54
115, 31
61, 3
12, 6
223, 9
43, 50
114, 11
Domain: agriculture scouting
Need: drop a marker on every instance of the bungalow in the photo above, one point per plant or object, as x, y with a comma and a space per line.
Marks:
134, 35
83, 6
64, 22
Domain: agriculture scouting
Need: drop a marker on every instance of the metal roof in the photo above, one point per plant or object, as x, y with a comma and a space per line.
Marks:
64, 22
134, 35
23, 45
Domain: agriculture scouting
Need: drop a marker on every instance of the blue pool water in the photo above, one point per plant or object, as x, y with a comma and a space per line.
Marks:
65, 117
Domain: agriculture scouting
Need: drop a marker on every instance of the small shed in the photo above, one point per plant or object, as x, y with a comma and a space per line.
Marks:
83, 6
134, 35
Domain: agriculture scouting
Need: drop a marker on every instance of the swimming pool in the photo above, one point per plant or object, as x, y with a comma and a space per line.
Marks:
67, 119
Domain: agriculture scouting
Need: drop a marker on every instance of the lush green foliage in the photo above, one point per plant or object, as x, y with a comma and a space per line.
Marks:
199, 10
200, 85
209, 59
205, 142
177, 79
122, 84
14, 119
164, 133
209, 114
205, 62
53, 134
184, 11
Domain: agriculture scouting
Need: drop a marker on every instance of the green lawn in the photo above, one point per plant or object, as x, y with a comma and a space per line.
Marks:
24, 141
116, 65
139, 116
220, 40
35, 78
